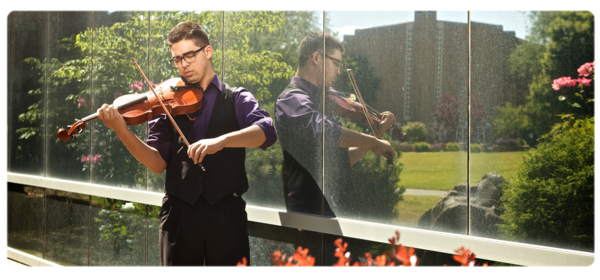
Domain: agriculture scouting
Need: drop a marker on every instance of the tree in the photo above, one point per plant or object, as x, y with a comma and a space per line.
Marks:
510, 121
447, 114
558, 43
101, 56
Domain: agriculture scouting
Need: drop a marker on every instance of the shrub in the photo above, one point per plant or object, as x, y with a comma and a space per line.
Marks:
435, 147
475, 148
551, 199
452, 147
416, 131
422, 147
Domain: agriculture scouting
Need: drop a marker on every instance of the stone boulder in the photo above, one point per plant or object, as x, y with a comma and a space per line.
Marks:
450, 215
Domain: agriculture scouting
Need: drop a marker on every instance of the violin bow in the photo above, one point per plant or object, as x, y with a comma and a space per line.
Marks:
165, 108
353, 82
375, 131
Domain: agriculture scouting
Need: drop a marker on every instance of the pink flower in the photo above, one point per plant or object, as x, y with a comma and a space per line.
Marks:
586, 69
81, 101
85, 158
584, 81
96, 158
137, 86
563, 82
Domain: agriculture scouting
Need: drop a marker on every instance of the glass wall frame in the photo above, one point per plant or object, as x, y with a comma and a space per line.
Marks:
81, 160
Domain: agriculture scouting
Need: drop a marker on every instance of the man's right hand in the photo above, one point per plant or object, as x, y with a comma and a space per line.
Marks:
111, 117
384, 148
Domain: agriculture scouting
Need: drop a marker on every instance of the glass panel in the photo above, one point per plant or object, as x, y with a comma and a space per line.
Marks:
409, 64
27, 48
118, 233
117, 37
153, 232
68, 94
25, 219
67, 223
160, 69
543, 181
266, 239
289, 174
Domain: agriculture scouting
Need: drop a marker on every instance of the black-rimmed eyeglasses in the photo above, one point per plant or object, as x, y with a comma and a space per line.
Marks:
188, 57
338, 63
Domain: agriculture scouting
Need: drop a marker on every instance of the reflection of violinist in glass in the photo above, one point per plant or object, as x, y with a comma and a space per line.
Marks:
300, 125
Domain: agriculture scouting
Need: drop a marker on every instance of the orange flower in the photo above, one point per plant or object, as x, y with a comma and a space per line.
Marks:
404, 255
340, 253
243, 262
381, 260
465, 257
303, 258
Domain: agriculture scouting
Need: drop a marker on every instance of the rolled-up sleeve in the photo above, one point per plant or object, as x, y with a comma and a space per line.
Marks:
249, 113
159, 136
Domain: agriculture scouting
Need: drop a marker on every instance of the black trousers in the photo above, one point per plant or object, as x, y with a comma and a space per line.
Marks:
203, 234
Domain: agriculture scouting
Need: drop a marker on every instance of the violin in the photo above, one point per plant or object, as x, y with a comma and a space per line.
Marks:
140, 108
361, 112
136, 108
348, 107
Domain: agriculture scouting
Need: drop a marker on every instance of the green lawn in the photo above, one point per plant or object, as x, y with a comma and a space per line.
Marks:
444, 170
412, 208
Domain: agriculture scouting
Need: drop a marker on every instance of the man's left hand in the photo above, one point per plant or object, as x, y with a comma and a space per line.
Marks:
204, 147
387, 120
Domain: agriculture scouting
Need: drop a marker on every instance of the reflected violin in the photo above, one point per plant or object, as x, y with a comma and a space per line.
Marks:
346, 106
361, 112
137, 108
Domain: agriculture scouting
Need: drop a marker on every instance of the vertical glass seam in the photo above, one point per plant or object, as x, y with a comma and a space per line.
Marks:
147, 134
10, 90
469, 125
44, 224
323, 124
91, 96
89, 241
45, 96
148, 71
223, 47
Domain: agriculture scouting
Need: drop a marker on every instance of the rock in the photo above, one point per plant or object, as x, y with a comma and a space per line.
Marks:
450, 215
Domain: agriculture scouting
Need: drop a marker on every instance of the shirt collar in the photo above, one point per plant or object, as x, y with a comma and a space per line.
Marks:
215, 81
304, 84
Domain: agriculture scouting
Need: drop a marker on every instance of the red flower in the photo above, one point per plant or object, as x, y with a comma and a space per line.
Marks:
96, 158
81, 102
85, 158
243, 262
563, 82
465, 257
586, 69
303, 258
404, 255
340, 253
584, 81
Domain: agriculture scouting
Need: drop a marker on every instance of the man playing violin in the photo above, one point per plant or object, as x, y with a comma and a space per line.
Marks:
203, 217
300, 121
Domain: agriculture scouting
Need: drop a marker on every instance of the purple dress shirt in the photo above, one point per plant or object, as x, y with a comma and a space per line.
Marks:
247, 113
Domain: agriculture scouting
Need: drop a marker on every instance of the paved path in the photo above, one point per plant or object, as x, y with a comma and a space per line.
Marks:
425, 192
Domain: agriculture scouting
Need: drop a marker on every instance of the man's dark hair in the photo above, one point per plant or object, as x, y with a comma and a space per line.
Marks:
313, 42
188, 31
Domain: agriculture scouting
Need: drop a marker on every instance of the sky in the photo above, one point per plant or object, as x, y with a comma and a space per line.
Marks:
345, 22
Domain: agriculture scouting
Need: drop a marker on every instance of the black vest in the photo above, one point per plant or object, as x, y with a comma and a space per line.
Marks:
225, 172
